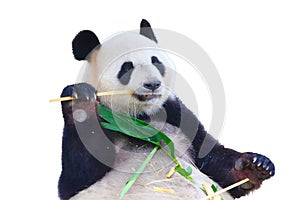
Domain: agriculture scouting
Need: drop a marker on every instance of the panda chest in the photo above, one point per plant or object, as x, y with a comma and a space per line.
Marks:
152, 183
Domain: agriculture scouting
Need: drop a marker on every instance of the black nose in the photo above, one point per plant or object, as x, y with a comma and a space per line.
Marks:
153, 85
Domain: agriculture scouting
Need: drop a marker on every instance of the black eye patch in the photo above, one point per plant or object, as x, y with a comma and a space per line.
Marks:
158, 65
125, 72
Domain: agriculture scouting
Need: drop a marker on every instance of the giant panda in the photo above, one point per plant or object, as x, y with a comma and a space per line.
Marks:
96, 162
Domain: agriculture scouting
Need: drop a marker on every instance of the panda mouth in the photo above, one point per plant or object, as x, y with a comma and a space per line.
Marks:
146, 97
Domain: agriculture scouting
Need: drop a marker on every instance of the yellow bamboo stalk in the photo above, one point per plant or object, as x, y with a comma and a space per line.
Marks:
114, 92
68, 98
62, 99
166, 190
226, 189
170, 173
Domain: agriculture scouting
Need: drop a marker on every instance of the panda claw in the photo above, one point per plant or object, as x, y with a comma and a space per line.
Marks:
266, 164
259, 164
84, 92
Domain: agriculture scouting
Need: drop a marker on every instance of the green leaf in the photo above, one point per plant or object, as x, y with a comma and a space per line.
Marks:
138, 172
185, 173
189, 170
180, 170
203, 190
214, 188
142, 130
110, 126
135, 128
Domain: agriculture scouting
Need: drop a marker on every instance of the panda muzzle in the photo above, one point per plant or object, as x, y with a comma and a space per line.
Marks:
146, 97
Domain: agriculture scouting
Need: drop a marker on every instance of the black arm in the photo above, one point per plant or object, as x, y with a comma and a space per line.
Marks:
225, 166
81, 140
179, 115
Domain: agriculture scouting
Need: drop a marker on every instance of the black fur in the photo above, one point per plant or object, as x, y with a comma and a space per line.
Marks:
146, 30
223, 165
159, 65
83, 44
125, 72
80, 169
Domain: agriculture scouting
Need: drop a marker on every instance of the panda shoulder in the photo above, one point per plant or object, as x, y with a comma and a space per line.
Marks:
174, 103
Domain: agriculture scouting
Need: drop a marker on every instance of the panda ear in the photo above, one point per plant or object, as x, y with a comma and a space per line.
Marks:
146, 30
83, 44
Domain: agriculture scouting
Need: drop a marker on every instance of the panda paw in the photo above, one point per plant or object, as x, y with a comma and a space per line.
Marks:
254, 166
80, 92
83, 106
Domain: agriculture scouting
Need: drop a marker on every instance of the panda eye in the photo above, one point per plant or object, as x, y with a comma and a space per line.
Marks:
127, 66
159, 65
155, 60
125, 72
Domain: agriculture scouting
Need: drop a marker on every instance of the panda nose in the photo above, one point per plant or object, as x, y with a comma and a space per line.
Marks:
153, 85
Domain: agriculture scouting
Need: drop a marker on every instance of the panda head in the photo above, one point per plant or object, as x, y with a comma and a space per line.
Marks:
126, 61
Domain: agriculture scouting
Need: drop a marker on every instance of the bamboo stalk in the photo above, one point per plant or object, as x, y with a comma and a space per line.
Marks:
114, 92
170, 173
226, 189
158, 189
68, 98
62, 99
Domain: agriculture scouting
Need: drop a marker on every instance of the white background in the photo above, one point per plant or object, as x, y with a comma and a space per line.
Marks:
255, 46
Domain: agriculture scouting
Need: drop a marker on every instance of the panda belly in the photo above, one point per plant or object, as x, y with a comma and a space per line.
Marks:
154, 175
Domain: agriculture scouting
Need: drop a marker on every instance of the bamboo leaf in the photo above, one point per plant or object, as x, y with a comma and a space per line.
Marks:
182, 171
214, 188
189, 170
135, 128
110, 126
142, 130
138, 172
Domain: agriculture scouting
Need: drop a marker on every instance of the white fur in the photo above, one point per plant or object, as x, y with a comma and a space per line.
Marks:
153, 176
104, 64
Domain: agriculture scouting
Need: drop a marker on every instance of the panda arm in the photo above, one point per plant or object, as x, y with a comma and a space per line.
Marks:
179, 115
80, 168
224, 165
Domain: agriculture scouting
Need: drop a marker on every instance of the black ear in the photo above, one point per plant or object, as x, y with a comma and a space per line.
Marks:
83, 44
146, 30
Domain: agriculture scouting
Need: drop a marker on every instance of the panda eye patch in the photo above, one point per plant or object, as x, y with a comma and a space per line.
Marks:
125, 72
154, 59
159, 65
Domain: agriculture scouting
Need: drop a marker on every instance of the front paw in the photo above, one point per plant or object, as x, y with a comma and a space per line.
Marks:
83, 106
254, 166
80, 92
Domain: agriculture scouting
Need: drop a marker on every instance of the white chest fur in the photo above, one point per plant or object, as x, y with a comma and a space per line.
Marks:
153, 176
